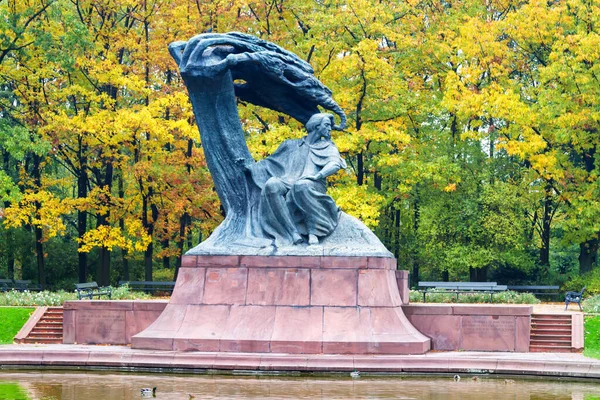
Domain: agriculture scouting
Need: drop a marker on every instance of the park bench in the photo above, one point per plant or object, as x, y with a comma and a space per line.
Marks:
90, 289
463, 287
6, 285
537, 290
574, 297
26, 285
149, 286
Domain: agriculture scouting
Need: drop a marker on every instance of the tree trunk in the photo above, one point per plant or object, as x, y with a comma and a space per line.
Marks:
588, 255
166, 259
148, 262
39, 246
10, 249
39, 253
180, 242
377, 180
482, 274
472, 274
360, 166
546, 223
10, 255
588, 250
416, 218
124, 253
397, 232
104, 264
82, 187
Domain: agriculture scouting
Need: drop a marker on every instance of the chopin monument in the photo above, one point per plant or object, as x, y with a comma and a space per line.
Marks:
286, 271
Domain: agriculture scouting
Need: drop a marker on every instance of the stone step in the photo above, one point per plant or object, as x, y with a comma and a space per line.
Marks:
45, 340
551, 324
538, 337
51, 318
55, 328
49, 323
556, 317
549, 315
552, 320
562, 332
48, 329
44, 334
550, 349
551, 343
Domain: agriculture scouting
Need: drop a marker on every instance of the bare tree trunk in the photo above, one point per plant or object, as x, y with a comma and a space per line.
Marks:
546, 223
588, 255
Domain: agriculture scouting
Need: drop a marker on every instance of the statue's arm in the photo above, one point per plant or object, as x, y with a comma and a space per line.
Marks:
329, 169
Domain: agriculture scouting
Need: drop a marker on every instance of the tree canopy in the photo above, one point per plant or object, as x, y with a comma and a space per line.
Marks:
471, 137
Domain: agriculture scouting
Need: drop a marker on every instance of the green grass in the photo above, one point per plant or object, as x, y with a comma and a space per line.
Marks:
13, 391
592, 336
12, 320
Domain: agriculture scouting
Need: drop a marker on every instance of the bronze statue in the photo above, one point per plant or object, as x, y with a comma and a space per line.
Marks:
278, 205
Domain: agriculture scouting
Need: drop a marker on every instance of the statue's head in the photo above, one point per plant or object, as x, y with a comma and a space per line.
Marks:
319, 126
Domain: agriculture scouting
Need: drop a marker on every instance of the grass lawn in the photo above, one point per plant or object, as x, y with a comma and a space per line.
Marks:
12, 320
12, 390
592, 336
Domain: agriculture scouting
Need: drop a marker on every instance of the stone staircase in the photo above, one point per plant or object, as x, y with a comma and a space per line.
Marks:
49, 328
551, 333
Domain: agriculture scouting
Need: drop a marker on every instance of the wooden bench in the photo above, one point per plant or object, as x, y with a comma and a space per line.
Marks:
6, 285
90, 289
537, 290
149, 286
463, 287
27, 286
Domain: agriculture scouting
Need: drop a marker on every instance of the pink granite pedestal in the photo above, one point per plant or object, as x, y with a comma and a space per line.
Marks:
285, 304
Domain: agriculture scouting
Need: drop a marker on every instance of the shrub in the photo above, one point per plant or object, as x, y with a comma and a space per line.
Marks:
444, 296
125, 293
591, 281
591, 304
46, 298
163, 275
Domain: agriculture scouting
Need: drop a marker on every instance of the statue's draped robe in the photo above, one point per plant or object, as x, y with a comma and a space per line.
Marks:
290, 206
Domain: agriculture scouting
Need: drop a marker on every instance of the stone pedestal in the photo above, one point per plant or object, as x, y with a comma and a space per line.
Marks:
285, 304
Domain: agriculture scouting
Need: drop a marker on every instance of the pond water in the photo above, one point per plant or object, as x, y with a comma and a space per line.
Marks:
49, 385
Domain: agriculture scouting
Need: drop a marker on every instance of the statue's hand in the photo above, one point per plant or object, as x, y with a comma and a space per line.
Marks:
242, 163
311, 177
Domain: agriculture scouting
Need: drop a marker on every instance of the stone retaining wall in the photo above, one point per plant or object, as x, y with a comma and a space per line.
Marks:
477, 327
450, 327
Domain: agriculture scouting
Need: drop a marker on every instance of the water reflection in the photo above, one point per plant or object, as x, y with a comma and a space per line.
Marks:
115, 386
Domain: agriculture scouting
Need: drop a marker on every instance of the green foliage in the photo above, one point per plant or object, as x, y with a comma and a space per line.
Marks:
592, 335
591, 282
445, 296
163, 275
12, 320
